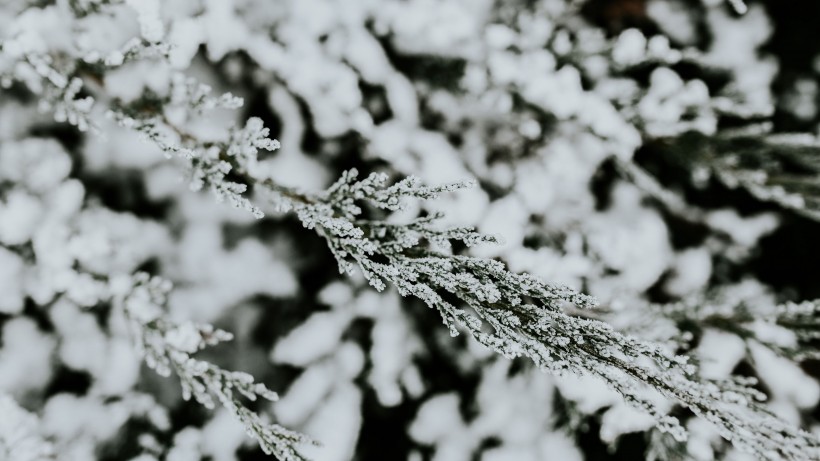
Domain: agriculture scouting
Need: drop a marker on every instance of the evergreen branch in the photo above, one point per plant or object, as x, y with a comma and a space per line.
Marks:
167, 347
780, 169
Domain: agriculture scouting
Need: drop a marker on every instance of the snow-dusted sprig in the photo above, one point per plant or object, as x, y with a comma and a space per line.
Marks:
60, 88
208, 163
395, 236
196, 97
136, 49
348, 189
68, 106
559, 343
245, 143
167, 347
520, 315
152, 129
58, 91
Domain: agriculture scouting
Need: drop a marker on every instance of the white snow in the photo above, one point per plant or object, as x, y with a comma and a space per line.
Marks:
11, 282
719, 353
25, 357
317, 337
630, 48
19, 438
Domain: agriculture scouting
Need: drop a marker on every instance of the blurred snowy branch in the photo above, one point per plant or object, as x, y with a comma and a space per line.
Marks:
168, 347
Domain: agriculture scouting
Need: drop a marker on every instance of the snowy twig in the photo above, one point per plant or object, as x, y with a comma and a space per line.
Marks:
167, 347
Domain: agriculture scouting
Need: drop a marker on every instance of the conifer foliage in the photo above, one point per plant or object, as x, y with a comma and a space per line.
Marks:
96, 273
